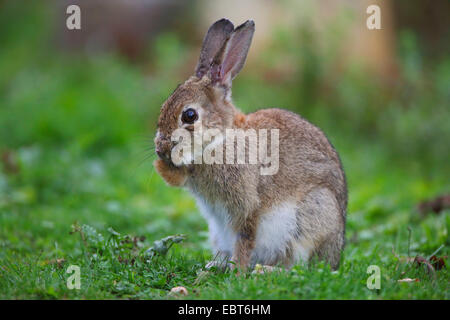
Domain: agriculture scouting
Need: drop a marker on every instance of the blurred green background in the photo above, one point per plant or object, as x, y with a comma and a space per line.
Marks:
78, 110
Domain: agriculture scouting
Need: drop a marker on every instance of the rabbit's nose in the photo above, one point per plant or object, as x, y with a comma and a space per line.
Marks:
162, 155
158, 152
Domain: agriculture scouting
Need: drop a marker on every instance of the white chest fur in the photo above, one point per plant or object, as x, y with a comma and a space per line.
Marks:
221, 235
274, 234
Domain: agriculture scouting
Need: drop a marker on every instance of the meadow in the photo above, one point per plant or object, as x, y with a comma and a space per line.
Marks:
77, 185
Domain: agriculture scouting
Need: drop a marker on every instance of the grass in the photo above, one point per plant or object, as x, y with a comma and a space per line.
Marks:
77, 186
57, 190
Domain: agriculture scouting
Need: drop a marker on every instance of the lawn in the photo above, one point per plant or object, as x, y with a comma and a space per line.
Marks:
40, 209
77, 186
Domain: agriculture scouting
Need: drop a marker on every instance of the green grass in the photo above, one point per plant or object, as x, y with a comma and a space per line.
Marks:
78, 132
56, 188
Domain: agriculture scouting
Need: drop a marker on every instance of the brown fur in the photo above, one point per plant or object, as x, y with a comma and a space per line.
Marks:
173, 176
310, 171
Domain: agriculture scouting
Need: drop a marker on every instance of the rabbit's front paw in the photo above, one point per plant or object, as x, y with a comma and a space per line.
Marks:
173, 176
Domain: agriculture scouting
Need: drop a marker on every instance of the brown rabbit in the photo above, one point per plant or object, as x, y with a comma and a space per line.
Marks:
275, 219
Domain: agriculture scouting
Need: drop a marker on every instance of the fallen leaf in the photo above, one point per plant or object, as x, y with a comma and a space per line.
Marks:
435, 205
408, 280
438, 262
179, 291
58, 262
421, 261
9, 161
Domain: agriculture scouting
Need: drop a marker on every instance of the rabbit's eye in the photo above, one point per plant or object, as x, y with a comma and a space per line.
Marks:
189, 116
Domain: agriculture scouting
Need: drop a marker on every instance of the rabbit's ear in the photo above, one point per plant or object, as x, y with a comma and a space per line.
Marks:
217, 35
231, 57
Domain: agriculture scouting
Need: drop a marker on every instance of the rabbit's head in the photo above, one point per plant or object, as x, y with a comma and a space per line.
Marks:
204, 100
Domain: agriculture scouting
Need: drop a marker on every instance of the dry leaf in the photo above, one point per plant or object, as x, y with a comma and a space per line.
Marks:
435, 205
59, 262
438, 262
179, 291
9, 161
408, 280
420, 261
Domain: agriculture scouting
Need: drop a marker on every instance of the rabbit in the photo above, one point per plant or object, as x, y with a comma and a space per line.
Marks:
275, 220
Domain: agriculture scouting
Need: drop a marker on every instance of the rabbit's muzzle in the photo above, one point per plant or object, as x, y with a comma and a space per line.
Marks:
163, 150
